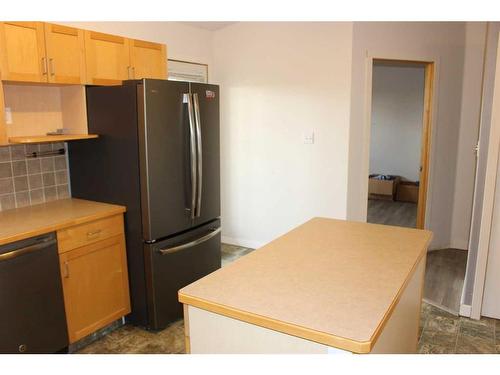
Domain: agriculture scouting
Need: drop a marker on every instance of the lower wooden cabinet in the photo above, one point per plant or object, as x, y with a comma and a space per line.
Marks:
95, 285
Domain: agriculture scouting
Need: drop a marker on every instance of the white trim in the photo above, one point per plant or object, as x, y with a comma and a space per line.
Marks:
242, 242
465, 310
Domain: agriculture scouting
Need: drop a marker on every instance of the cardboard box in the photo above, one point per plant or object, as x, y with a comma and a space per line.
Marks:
407, 192
382, 189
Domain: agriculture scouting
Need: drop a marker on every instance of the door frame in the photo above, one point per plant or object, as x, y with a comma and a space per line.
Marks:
427, 130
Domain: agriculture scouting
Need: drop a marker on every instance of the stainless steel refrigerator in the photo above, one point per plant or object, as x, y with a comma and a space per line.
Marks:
157, 154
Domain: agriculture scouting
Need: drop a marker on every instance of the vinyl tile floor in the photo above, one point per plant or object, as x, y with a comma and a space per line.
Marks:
440, 332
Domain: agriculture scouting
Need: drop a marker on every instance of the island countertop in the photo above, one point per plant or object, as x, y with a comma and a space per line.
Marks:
20, 223
330, 281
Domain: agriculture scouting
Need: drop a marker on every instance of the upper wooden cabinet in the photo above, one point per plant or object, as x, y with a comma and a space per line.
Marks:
65, 54
107, 58
41, 52
44, 52
22, 51
147, 60
112, 59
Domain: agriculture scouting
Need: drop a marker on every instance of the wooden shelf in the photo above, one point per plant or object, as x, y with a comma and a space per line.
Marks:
51, 138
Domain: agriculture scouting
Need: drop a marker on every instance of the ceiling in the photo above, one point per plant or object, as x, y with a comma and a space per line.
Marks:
209, 25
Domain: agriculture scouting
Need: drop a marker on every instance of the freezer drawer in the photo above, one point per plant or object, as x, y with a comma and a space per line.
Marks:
174, 263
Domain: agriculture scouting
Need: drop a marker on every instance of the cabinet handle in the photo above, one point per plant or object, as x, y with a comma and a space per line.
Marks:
52, 68
66, 270
44, 65
94, 233
133, 72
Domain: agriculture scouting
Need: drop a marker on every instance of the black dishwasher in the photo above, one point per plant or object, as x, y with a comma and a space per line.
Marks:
32, 317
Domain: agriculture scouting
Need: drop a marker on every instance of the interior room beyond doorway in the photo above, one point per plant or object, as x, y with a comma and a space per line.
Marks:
397, 117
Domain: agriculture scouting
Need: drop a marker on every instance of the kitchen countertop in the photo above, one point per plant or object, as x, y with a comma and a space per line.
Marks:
330, 281
20, 223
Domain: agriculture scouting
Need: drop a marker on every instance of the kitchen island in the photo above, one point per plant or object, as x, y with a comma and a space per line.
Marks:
327, 286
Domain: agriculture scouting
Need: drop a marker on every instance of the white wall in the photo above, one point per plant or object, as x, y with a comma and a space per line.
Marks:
183, 42
443, 43
475, 34
279, 80
396, 121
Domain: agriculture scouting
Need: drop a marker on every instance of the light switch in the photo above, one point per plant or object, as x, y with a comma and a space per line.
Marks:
309, 137
8, 115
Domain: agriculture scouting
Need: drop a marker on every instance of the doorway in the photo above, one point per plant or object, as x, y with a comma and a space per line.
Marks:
399, 142
399, 167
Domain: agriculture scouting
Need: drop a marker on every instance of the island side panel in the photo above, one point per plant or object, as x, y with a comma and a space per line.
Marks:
400, 332
211, 333
187, 341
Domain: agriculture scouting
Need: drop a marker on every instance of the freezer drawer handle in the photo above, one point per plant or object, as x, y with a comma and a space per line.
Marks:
174, 249
25, 250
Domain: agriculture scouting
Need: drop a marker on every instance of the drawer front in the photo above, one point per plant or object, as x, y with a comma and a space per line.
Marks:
84, 234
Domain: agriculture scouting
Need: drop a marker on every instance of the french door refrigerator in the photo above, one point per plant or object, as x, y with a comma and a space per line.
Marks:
158, 155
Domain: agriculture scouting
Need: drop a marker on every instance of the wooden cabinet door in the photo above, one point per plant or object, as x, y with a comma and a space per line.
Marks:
22, 51
95, 284
107, 58
65, 53
148, 60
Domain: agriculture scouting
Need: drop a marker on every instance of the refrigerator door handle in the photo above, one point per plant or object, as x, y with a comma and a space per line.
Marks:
199, 152
177, 248
192, 142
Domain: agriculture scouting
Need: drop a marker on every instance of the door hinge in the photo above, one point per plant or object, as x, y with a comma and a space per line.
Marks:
476, 149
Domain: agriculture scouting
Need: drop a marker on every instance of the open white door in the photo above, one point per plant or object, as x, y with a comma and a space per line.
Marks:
481, 249
491, 297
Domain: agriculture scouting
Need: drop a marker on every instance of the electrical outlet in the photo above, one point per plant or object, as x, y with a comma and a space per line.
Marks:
309, 137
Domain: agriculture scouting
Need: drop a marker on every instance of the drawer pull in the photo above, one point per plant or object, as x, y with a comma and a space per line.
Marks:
213, 233
94, 233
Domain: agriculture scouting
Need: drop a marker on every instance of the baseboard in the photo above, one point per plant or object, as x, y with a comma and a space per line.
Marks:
447, 246
465, 310
242, 242
461, 245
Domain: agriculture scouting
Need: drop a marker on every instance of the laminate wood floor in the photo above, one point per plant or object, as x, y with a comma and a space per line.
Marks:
444, 278
401, 214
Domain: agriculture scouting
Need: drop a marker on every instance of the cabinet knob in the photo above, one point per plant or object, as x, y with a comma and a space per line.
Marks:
66, 270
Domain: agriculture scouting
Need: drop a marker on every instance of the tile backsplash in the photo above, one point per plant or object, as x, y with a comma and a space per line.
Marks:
27, 181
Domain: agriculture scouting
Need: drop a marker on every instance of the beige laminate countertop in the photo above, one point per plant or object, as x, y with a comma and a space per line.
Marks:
20, 223
330, 281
